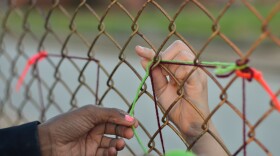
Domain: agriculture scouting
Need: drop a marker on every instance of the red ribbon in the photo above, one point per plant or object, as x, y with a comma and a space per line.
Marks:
258, 76
31, 61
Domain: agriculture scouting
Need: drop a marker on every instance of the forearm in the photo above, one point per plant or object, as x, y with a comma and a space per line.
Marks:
207, 145
45, 140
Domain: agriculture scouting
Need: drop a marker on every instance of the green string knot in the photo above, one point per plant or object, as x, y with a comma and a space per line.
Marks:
220, 70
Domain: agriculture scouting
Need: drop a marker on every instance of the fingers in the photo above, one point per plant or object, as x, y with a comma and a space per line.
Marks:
181, 71
178, 51
160, 80
146, 53
97, 115
107, 142
168, 54
110, 146
174, 49
106, 152
113, 129
122, 131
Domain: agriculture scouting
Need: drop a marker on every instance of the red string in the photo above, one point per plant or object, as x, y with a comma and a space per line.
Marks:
258, 76
247, 73
244, 116
31, 61
157, 113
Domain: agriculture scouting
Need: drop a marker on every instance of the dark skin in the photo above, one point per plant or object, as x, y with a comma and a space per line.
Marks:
82, 132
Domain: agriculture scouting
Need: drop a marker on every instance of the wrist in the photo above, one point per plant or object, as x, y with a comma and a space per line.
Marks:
204, 143
197, 129
44, 140
208, 145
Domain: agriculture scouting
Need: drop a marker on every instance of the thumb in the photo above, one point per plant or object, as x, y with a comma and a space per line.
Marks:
159, 79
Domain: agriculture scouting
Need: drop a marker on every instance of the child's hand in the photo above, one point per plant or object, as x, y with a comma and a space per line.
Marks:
183, 114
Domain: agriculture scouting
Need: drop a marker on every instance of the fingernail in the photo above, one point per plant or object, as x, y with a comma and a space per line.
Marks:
140, 48
129, 118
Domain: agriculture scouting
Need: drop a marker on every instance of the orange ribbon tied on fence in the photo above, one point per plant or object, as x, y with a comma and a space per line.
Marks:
31, 61
251, 73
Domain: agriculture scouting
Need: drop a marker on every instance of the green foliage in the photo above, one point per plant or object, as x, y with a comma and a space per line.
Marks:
237, 22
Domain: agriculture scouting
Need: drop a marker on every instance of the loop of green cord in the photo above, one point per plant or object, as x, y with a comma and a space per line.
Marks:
131, 113
221, 68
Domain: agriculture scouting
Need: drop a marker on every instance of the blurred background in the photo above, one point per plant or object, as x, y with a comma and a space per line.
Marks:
106, 30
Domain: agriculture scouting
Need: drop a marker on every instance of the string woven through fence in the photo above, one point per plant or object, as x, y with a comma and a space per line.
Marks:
92, 44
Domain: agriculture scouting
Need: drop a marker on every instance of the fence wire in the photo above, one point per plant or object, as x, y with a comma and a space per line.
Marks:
53, 90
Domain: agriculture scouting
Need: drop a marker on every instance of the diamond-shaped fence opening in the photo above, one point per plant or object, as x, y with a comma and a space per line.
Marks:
92, 60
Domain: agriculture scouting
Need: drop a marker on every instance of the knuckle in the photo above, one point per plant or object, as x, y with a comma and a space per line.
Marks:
190, 55
113, 120
178, 43
186, 55
180, 75
89, 107
120, 131
120, 111
115, 110
203, 77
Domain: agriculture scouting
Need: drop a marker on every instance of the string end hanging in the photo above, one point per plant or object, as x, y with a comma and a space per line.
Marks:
31, 61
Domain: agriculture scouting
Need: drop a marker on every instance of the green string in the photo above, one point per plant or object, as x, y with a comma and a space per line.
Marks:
203, 63
221, 68
131, 113
179, 153
139, 140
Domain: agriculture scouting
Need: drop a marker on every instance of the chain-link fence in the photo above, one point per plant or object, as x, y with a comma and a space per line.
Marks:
94, 62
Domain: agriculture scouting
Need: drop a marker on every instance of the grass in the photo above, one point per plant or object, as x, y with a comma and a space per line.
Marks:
237, 23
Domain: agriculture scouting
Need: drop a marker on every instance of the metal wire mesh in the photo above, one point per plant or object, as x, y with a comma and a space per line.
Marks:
50, 90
